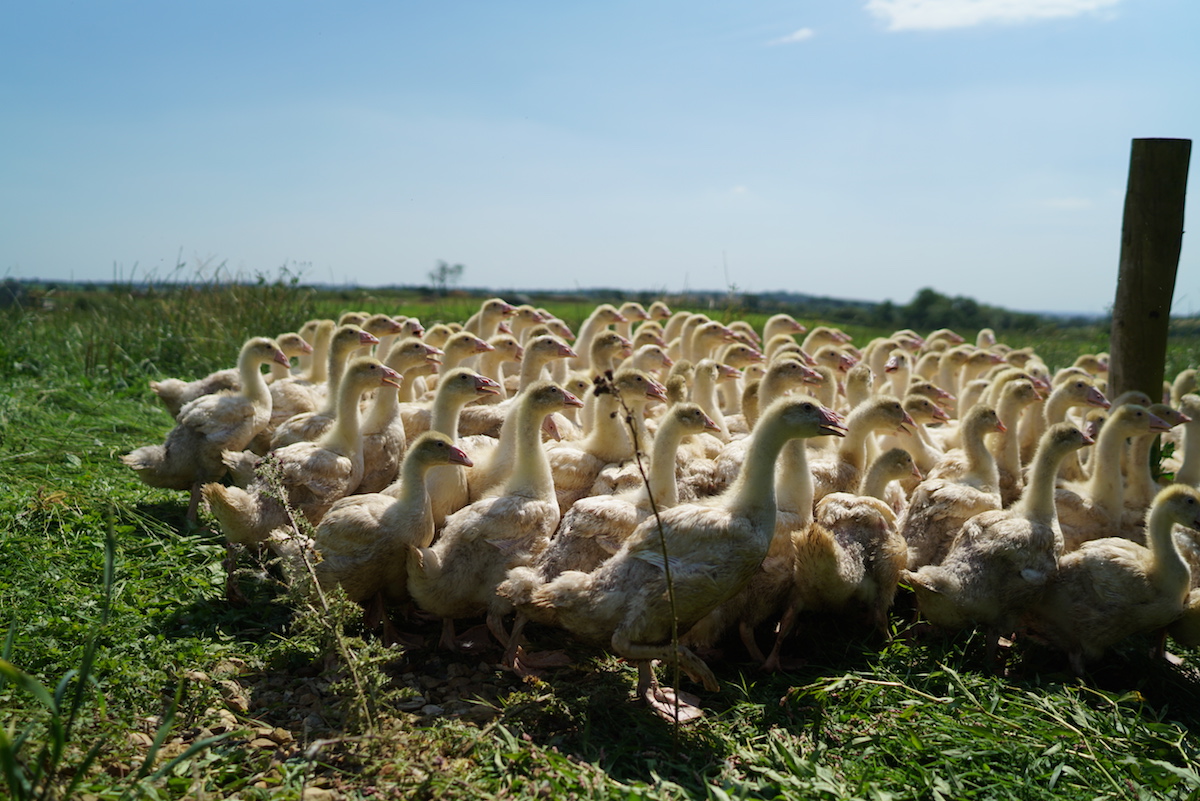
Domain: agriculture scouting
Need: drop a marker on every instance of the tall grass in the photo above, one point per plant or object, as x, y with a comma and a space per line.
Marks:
125, 332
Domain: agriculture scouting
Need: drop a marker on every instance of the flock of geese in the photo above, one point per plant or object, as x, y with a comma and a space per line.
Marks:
669, 480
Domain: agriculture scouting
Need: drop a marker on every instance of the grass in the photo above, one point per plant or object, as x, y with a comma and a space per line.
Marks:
127, 674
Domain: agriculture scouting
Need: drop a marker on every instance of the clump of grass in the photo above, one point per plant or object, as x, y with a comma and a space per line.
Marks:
43, 760
184, 324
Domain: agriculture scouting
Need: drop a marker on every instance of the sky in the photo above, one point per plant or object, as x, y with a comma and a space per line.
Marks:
858, 149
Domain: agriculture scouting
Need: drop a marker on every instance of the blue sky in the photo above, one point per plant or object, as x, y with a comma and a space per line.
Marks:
838, 147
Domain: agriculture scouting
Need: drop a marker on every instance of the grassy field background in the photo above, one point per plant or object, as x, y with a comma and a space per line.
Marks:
126, 674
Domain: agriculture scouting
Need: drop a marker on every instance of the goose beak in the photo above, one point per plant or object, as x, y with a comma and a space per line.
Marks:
811, 376
279, 357
916, 471
939, 415
486, 386
710, 425
832, 423
1158, 425
1000, 427
484, 347
727, 373
390, 376
458, 456
1096, 398
657, 391
365, 338
1088, 439
571, 400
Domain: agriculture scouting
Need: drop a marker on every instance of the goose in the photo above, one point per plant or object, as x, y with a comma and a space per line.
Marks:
1188, 471
1015, 398
712, 551
1001, 561
893, 464
363, 539
745, 333
659, 311
308, 426
457, 576
176, 393
576, 465
768, 587
291, 393
737, 356
506, 351
851, 553
919, 445
308, 332
1076, 393
485, 323
448, 485
898, 368
940, 505
209, 425
782, 376
461, 348
384, 428
1070, 394
313, 474
594, 528
409, 327
601, 318
1184, 384
631, 310
709, 339
949, 365
781, 323
843, 471
1140, 484
1111, 588
1092, 510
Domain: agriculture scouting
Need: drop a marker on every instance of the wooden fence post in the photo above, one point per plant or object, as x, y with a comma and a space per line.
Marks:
1151, 238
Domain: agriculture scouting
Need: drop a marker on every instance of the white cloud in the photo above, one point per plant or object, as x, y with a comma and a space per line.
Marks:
741, 190
797, 36
915, 15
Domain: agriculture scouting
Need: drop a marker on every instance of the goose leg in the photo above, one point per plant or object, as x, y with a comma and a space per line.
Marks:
448, 640
526, 664
193, 504
786, 624
233, 593
648, 686
746, 632
666, 702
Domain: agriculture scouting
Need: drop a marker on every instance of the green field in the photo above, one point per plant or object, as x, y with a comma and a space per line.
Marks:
127, 674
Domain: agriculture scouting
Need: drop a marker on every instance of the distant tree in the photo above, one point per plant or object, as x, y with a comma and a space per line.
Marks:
444, 276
